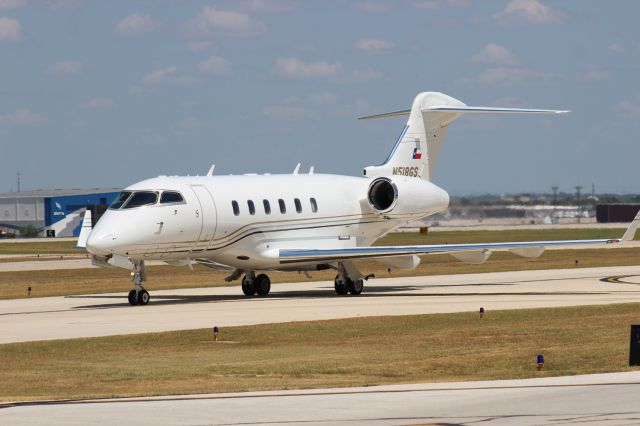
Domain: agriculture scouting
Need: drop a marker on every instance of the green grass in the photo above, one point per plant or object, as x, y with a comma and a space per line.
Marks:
351, 352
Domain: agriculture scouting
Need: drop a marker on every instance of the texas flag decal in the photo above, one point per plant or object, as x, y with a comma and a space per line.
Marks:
416, 155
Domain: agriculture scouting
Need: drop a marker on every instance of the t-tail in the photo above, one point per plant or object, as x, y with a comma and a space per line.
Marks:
417, 149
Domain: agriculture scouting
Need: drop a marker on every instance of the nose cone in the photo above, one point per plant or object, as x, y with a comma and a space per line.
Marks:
103, 239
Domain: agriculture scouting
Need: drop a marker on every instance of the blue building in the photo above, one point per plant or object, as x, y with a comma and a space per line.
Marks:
54, 213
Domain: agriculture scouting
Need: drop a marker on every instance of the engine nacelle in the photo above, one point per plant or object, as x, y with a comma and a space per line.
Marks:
406, 195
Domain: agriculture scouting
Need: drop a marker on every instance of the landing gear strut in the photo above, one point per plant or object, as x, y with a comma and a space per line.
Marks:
348, 280
139, 296
252, 284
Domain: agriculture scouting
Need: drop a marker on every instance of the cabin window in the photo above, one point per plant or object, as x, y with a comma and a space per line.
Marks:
171, 197
252, 207
298, 204
283, 207
267, 206
236, 208
314, 205
122, 197
141, 198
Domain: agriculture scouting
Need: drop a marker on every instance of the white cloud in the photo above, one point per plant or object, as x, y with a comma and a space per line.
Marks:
494, 54
268, 5
439, 4
10, 29
285, 112
374, 45
359, 107
595, 75
224, 22
191, 123
98, 103
23, 117
62, 4
507, 75
12, 4
199, 46
295, 68
135, 25
65, 68
630, 109
371, 6
529, 11
215, 65
366, 74
325, 98
616, 48
168, 77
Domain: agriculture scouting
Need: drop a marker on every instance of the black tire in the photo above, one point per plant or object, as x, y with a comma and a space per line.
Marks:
133, 300
341, 287
247, 287
355, 287
262, 284
143, 297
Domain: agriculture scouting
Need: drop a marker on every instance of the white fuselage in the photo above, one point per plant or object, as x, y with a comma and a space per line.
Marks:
320, 211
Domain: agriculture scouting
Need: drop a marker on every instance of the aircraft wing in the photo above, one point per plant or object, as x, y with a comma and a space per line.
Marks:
476, 252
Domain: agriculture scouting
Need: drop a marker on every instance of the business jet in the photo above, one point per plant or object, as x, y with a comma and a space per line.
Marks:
300, 221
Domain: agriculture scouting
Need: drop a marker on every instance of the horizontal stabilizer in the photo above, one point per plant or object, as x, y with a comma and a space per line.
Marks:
491, 110
468, 110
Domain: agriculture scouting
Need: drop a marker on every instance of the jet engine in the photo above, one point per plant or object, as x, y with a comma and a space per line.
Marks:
406, 195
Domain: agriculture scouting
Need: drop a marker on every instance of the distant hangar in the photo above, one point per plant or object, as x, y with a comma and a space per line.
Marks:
53, 213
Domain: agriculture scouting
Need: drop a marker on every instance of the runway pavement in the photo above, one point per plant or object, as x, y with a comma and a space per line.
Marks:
110, 314
603, 399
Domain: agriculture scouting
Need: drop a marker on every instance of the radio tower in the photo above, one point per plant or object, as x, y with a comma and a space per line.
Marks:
18, 180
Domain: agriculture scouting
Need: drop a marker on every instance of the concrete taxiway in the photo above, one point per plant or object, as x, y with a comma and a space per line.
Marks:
110, 314
603, 399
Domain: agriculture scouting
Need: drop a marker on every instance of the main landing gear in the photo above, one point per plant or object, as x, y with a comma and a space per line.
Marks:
139, 296
348, 280
252, 284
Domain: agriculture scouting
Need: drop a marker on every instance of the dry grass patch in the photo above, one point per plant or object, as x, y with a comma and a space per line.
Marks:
350, 352
88, 281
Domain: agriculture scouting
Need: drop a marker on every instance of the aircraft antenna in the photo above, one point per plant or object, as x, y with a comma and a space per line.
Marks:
210, 172
295, 171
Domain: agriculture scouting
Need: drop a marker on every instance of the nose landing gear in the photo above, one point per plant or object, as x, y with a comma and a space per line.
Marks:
139, 296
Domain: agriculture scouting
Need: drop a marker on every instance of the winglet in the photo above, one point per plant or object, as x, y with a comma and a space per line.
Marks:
631, 230
85, 230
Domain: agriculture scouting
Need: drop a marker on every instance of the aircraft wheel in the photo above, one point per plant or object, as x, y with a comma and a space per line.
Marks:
133, 300
143, 297
355, 287
247, 287
262, 284
340, 286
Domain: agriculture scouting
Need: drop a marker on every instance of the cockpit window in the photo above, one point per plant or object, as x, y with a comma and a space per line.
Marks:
141, 198
171, 197
122, 197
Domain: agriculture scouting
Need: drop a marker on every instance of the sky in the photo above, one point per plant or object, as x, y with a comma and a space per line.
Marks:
104, 94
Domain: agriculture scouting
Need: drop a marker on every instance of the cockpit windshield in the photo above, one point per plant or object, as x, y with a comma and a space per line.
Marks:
131, 199
122, 197
141, 198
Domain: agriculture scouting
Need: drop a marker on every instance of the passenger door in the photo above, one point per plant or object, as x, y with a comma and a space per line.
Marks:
206, 214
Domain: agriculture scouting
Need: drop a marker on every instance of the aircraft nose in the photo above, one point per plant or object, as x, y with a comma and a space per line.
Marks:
102, 239
98, 243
